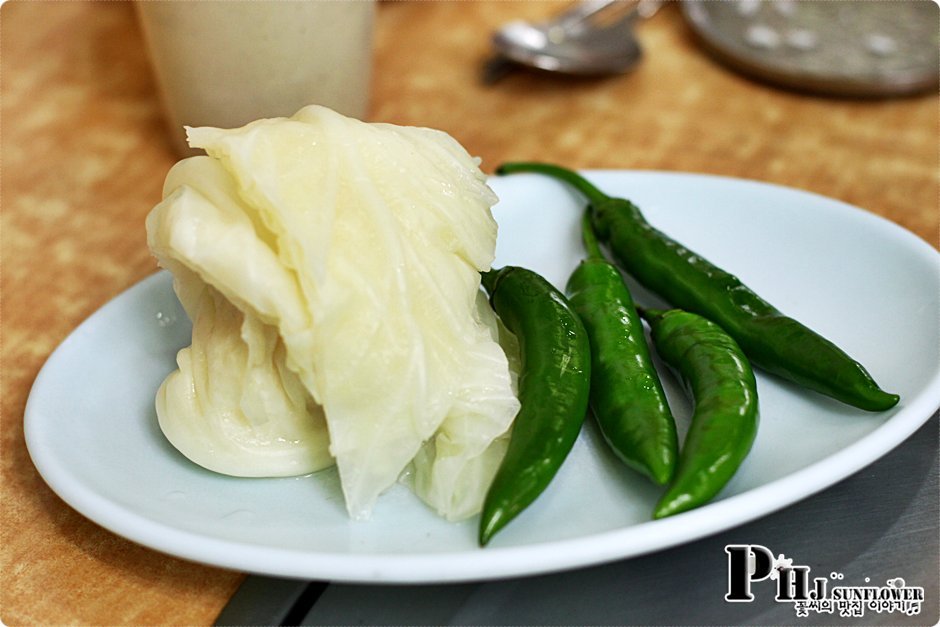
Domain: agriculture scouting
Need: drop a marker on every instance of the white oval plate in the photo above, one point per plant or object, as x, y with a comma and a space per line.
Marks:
864, 282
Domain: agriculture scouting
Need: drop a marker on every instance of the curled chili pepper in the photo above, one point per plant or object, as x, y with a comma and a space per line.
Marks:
725, 414
627, 397
553, 390
771, 340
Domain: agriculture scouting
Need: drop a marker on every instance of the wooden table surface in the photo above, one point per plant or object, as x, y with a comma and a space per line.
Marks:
84, 154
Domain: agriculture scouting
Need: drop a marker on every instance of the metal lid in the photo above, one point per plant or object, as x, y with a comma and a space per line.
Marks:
848, 48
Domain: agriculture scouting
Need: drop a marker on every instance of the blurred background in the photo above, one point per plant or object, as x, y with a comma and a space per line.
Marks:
85, 149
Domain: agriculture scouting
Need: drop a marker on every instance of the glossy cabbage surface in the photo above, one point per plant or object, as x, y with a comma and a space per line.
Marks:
331, 270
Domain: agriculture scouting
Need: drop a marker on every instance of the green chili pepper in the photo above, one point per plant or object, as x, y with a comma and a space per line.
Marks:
627, 397
553, 390
771, 340
724, 393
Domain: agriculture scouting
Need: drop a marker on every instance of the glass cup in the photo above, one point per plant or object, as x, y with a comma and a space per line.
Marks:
227, 62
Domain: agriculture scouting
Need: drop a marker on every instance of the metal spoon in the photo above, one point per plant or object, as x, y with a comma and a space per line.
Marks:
593, 38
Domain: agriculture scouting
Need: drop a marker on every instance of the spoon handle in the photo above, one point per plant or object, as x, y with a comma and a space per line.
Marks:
603, 13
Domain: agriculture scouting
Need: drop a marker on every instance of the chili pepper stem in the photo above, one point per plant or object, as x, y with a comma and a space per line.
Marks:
488, 279
591, 246
650, 314
571, 177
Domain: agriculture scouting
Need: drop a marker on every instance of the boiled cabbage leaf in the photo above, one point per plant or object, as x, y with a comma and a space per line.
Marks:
340, 258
